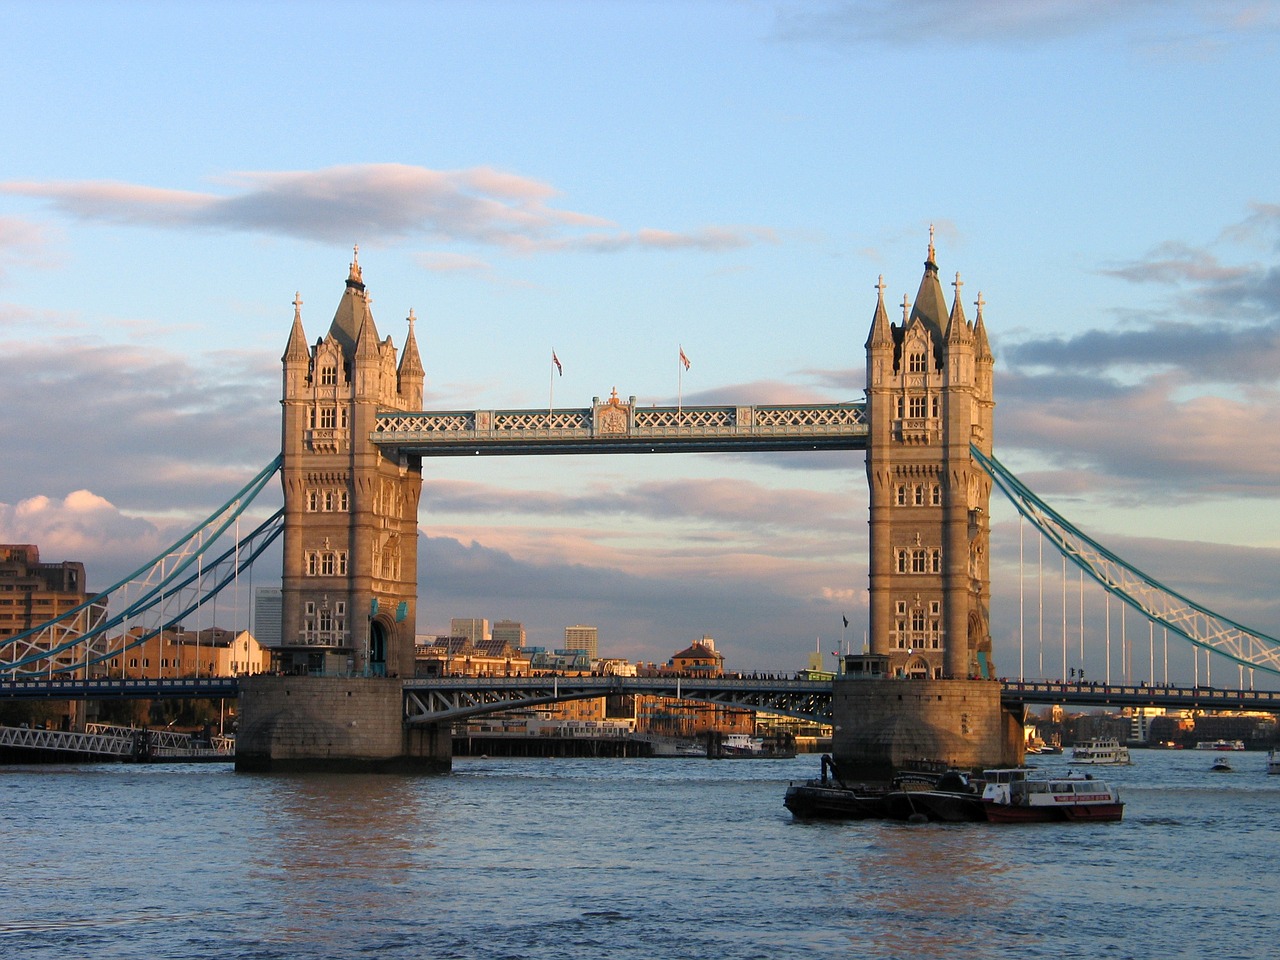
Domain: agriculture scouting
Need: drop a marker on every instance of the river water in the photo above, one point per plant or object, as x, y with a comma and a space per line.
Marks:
656, 859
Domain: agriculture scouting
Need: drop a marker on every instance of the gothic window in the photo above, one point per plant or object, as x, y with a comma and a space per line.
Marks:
901, 641
342, 563
344, 503
326, 565
328, 418
935, 407
935, 495
916, 362
917, 621
313, 564
326, 620
328, 376
310, 608
935, 561
902, 561
918, 407
901, 407
313, 500
342, 418
902, 608
918, 561
935, 608
919, 495
902, 494
311, 418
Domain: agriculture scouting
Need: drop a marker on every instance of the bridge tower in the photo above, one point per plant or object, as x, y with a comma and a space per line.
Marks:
929, 396
349, 583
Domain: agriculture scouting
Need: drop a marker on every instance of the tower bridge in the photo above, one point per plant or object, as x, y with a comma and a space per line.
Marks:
354, 442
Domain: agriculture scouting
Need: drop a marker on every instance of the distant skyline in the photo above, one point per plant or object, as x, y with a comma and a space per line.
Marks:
624, 183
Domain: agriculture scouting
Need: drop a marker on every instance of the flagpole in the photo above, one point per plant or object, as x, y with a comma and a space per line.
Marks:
679, 386
551, 389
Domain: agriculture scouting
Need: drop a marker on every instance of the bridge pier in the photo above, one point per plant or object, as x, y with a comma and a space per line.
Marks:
341, 724
882, 725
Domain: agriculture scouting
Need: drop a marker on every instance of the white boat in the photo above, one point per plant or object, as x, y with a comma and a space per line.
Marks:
741, 745
1099, 752
1273, 761
1010, 797
1219, 744
1220, 765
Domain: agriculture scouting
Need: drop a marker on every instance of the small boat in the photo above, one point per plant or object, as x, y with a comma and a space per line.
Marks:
1219, 744
952, 798
1273, 761
1220, 765
741, 745
830, 798
1010, 797
1101, 752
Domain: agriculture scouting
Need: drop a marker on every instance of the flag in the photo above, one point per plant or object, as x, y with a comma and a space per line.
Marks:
556, 361
684, 359
845, 619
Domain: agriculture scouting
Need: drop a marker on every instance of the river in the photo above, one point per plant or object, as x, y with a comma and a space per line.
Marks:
654, 859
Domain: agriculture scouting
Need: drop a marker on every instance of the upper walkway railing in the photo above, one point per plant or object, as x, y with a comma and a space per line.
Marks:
616, 427
436, 700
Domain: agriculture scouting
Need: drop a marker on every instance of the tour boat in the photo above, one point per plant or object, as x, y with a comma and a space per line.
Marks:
1010, 797
1101, 752
1273, 761
741, 745
1219, 744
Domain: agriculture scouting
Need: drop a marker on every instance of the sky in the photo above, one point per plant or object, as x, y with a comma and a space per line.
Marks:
619, 181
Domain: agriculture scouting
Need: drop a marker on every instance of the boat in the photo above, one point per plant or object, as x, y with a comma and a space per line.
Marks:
741, 745
952, 798
1219, 744
1106, 751
1220, 765
1010, 796
830, 798
1273, 761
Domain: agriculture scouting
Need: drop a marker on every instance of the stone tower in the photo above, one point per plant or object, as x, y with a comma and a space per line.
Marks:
349, 585
929, 397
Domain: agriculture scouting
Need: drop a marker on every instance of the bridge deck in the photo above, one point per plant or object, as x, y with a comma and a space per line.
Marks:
625, 428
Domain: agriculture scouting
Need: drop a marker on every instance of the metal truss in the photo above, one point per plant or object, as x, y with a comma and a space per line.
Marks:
455, 698
154, 598
630, 429
1143, 593
119, 742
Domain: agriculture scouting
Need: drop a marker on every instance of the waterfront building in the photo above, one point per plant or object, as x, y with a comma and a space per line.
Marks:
176, 653
584, 638
267, 607
510, 632
475, 629
33, 593
461, 656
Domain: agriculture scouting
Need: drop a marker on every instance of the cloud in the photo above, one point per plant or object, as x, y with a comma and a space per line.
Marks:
1188, 27
478, 206
23, 244
148, 427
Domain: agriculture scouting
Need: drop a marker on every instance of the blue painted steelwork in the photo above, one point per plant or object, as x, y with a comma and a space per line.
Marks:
1143, 593
87, 627
614, 427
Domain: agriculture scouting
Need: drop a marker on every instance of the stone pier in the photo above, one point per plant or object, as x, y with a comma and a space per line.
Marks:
884, 724
342, 724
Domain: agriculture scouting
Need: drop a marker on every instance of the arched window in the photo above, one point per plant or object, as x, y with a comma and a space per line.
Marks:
916, 362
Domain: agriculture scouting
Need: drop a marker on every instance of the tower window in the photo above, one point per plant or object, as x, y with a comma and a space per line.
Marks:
919, 493
902, 494
918, 561
916, 362
918, 407
935, 495
328, 376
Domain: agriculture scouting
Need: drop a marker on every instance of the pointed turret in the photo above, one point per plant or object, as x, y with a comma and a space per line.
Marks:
352, 309
980, 334
297, 349
881, 334
410, 373
931, 305
367, 341
958, 330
